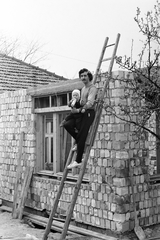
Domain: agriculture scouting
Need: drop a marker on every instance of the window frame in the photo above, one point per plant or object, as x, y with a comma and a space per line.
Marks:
41, 135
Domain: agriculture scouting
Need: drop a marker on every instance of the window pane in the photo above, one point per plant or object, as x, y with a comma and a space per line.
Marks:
65, 143
42, 102
68, 146
70, 96
47, 126
49, 153
49, 123
53, 101
62, 100
51, 149
52, 126
46, 149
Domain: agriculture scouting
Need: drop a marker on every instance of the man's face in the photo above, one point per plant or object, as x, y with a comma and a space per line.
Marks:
84, 77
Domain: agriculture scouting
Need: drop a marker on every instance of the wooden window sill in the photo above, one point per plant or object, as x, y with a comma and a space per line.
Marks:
70, 177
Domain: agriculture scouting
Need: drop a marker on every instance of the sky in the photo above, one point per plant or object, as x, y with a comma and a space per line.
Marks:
72, 32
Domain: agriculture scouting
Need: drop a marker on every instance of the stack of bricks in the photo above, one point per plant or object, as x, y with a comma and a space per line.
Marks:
43, 191
16, 117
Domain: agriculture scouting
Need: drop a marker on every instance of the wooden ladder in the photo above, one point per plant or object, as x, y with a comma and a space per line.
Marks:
88, 144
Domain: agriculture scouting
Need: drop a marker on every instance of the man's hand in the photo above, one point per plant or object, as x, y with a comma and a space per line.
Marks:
75, 110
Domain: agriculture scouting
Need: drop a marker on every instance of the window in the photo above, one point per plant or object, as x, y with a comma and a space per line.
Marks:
57, 142
53, 142
52, 101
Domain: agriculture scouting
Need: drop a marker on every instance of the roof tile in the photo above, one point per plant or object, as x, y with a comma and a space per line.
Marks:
16, 74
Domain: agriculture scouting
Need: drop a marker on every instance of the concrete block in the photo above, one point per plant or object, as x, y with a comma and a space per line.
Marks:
122, 191
119, 182
113, 226
122, 227
108, 224
113, 207
102, 223
110, 215
119, 217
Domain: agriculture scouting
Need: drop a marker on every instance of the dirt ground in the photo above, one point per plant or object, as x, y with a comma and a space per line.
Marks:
12, 228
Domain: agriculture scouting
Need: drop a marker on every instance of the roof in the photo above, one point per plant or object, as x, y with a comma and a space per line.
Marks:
16, 74
54, 88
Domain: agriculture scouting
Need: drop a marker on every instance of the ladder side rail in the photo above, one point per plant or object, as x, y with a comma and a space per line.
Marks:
110, 66
93, 133
56, 200
114, 54
100, 60
113, 57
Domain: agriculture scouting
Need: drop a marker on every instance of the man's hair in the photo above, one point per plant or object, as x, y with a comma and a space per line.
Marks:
88, 73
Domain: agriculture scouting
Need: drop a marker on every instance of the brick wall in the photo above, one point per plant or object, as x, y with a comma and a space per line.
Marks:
106, 201
16, 117
112, 196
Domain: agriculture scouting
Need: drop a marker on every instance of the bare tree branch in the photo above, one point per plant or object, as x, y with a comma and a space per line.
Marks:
30, 53
145, 100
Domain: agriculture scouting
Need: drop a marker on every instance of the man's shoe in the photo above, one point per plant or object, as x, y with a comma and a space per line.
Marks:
74, 147
73, 164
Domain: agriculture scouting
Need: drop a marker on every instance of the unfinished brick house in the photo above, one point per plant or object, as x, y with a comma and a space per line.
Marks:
105, 198
16, 74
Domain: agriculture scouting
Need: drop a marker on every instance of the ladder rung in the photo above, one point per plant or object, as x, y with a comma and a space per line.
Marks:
63, 200
107, 59
110, 45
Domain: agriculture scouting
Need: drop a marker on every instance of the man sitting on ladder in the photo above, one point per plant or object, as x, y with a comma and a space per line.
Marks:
88, 96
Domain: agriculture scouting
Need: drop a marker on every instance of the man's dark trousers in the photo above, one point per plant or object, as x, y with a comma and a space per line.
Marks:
81, 136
